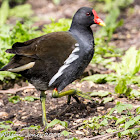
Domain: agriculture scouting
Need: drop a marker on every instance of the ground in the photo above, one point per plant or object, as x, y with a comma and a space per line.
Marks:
26, 113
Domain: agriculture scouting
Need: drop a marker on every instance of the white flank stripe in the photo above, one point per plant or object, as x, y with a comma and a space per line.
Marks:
72, 57
62, 68
77, 49
22, 68
58, 74
76, 44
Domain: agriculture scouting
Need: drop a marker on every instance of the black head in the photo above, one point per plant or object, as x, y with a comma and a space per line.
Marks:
87, 16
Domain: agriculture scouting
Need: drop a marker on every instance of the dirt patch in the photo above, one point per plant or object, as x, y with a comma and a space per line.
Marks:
24, 113
46, 10
129, 34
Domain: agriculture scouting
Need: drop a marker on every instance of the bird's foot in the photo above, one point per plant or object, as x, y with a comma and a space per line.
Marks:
70, 93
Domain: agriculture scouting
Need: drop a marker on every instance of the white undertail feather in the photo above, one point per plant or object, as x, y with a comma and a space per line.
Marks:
22, 68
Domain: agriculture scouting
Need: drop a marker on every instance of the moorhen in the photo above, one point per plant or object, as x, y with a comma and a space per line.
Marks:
55, 60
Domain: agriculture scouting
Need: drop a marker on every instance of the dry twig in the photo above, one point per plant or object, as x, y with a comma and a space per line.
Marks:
14, 91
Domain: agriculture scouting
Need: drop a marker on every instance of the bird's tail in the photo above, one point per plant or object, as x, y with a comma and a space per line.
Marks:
9, 65
11, 51
4, 68
19, 63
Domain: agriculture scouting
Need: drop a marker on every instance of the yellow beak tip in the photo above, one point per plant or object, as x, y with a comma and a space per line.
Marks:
102, 24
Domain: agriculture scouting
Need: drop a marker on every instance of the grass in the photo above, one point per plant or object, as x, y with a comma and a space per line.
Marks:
126, 124
8, 36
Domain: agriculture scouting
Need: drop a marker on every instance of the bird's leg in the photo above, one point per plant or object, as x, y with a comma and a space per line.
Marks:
43, 99
70, 93
68, 100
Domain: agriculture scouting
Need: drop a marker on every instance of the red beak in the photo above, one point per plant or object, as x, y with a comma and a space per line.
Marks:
97, 20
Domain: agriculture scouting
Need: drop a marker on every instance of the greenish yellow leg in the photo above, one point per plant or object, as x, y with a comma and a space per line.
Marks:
43, 99
70, 93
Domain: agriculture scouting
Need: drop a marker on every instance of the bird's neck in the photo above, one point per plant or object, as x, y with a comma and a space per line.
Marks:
82, 32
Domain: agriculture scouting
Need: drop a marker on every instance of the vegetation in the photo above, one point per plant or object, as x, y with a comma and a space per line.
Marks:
123, 119
126, 124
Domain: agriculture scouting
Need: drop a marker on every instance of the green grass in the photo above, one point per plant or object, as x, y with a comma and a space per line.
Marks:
125, 125
8, 36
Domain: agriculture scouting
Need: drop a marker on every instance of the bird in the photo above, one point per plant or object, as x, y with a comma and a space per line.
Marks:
54, 60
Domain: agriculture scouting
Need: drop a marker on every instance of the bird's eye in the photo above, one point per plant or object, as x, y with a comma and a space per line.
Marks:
88, 14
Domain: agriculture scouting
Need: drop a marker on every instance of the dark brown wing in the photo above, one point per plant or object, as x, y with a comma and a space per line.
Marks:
53, 47
48, 52
58, 44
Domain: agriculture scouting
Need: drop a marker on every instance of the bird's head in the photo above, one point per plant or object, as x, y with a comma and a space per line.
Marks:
87, 16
